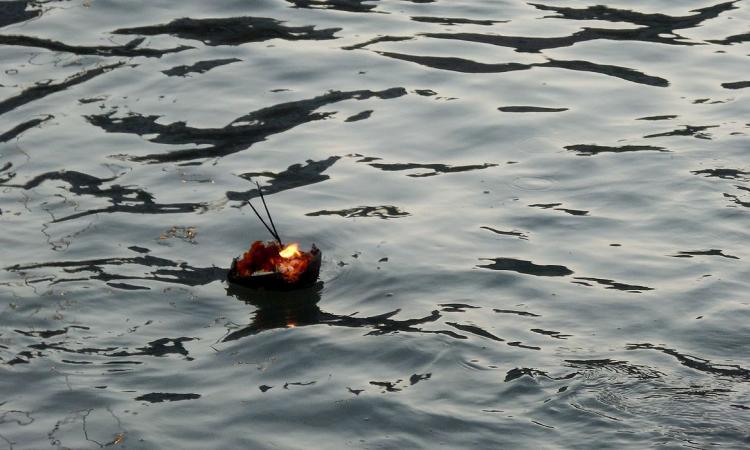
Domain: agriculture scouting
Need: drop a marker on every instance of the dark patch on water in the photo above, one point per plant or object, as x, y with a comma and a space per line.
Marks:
700, 364
123, 199
6, 174
519, 372
611, 284
618, 367
456, 307
726, 174
236, 136
687, 130
417, 377
550, 333
356, 6
514, 233
473, 329
87, 100
730, 40
293, 177
158, 348
376, 40
528, 109
167, 271
25, 126
382, 212
128, 287
232, 30
573, 212
129, 50
457, 64
298, 383
469, 66
301, 308
41, 90
624, 73
609, 14
591, 150
159, 397
44, 334
17, 11
359, 116
436, 169
736, 200
526, 267
199, 67
450, 21
388, 386
665, 117
518, 313
521, 345
656, 28
736, 85
712, 252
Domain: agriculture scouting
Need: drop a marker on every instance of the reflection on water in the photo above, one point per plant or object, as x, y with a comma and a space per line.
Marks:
300, 308
533, 216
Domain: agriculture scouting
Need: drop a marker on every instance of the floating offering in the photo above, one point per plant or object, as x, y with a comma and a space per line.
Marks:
269, 265
273, 265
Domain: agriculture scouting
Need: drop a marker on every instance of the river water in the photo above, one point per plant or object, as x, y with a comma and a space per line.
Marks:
534, 221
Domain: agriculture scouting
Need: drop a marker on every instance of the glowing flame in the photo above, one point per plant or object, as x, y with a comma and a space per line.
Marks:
290, 251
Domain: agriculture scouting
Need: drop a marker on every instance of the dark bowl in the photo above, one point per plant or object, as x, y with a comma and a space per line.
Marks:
275, 281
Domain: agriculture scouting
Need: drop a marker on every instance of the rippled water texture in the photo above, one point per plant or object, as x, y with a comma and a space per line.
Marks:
534, 221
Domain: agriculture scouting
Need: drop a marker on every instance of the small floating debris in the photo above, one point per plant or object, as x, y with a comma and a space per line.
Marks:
272, 265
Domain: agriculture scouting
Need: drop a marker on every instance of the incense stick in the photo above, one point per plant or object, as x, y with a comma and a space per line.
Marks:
273, 231
263, 199
263, 221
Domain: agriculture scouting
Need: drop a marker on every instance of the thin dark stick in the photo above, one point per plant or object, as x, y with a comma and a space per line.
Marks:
263, 221
260, 191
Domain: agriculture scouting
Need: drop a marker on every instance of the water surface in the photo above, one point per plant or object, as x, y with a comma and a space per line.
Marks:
533, 218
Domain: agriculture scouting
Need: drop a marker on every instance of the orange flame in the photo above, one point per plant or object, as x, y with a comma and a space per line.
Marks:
290, 251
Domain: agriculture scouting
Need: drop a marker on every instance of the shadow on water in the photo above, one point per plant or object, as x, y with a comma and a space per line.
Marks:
700, 364
21, 128
236, 136
293, 177
41, 90
16, 11
232, 30
123, 199
299, 308
382, 212
657, 28
468, 66
450, 21
130, 49
356, 6
199, 67
164, 270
